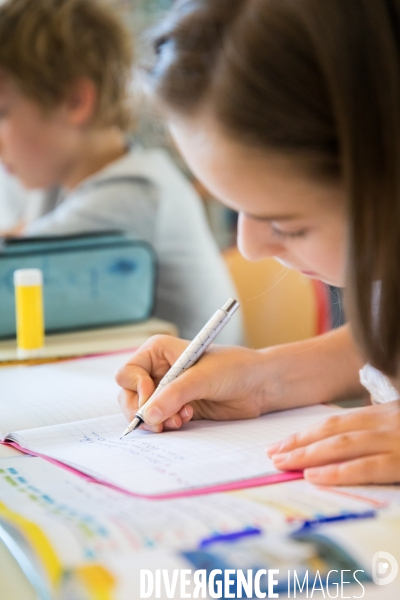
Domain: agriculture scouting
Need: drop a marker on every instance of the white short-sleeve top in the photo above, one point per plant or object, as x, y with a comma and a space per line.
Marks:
378, 385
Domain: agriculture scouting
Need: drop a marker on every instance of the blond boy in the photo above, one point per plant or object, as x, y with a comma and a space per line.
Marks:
65, 68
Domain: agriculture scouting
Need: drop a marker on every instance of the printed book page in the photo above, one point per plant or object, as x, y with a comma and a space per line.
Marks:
85, 520
59, 393
90, 524
202, 454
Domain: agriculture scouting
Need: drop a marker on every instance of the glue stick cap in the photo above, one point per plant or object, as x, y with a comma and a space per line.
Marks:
28, 277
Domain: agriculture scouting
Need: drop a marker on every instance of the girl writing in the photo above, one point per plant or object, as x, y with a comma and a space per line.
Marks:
289, 112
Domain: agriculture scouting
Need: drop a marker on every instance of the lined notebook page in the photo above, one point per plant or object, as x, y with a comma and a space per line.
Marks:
204, 453
59, 393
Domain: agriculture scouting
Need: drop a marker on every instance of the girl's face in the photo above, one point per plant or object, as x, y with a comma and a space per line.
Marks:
282, 212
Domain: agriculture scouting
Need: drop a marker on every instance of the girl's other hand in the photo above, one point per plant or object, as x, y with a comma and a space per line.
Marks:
359, 447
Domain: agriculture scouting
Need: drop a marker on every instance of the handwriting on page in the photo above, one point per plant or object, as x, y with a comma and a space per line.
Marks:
204, 453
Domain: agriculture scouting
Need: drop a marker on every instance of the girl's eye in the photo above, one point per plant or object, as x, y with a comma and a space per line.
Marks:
289, 234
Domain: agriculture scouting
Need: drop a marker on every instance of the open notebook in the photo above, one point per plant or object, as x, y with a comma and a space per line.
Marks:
68, 413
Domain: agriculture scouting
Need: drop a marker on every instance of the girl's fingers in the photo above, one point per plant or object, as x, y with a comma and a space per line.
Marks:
172, 423
137, 377
152, 428
378, 469
186, 413
152, 360
136, 380
177, 420
368, 418
335, 449
128, 376
192, 385
128, 402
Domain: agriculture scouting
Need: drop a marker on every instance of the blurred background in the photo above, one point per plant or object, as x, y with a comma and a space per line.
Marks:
143, 14
16, 204
265, 290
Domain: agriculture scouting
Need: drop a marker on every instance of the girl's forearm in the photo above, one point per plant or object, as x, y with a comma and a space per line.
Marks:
318, 370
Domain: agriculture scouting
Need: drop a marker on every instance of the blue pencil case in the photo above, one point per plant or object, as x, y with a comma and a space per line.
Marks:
93, 280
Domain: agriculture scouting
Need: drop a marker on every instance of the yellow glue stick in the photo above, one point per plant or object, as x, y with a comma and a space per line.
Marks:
28, 285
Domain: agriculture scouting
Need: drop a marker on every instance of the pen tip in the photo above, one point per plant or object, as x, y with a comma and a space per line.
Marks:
132, 426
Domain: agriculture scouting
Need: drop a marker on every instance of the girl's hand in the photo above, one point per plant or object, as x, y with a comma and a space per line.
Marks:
237, 383
361, 446
227, 383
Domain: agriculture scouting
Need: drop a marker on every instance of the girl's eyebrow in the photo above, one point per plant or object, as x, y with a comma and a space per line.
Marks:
271, 217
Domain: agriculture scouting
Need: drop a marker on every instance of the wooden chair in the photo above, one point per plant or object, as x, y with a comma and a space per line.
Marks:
279, 305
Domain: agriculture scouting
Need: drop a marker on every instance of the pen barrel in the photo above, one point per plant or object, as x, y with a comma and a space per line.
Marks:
197, 347
194, 351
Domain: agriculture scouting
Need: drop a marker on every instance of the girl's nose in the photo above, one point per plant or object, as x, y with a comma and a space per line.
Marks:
254, 239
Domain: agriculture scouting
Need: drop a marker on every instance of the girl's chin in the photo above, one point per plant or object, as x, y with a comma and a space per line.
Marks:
328, 280
313, 274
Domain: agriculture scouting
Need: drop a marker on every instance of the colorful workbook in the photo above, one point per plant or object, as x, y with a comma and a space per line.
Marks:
68, 413
72, 531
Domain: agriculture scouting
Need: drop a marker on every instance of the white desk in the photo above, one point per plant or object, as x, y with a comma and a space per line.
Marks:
13, 582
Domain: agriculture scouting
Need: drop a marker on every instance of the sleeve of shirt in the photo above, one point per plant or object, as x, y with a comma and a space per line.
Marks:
129, 205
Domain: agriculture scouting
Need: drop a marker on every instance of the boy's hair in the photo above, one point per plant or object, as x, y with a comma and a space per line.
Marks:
320, 80
46, 45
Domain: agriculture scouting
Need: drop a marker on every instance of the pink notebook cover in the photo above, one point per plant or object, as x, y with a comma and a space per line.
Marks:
213, 489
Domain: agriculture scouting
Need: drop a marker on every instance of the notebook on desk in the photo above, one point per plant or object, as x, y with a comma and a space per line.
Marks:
68, 413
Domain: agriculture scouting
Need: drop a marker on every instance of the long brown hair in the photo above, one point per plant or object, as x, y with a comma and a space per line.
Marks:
318, 79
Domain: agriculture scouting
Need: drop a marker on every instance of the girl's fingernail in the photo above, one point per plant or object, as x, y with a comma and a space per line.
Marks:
314, 473
273, 448
281, 458
154, 415
185, 412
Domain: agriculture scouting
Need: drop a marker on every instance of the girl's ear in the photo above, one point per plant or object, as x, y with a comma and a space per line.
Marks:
81, 102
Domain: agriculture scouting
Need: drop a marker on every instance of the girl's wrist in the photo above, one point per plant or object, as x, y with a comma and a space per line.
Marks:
314, 371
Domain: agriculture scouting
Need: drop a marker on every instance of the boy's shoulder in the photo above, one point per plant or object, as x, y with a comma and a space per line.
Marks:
137, 162
152, 168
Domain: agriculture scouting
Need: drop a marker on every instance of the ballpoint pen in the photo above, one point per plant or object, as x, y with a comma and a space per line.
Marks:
191, 355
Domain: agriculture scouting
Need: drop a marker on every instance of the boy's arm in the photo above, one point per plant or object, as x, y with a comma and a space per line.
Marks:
14, 232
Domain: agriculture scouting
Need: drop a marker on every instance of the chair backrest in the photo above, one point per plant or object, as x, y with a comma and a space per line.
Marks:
279, 305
